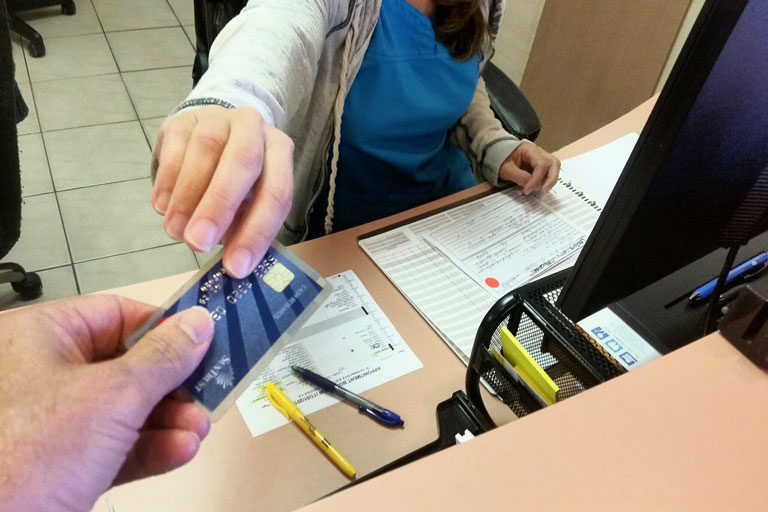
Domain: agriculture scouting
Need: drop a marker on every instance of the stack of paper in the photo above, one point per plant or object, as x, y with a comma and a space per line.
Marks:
454, 265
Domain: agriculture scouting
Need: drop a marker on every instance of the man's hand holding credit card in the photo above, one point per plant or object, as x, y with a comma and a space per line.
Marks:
253, 318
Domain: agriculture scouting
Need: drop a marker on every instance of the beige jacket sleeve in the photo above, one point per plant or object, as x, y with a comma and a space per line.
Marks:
480, 135
265, 57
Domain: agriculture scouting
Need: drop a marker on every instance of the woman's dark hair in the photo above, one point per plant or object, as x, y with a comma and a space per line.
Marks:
461, 26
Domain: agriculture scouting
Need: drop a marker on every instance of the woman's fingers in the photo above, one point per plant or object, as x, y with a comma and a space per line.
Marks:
169, 156
224, 172
201, 158
531, 167
238, 167
271, 201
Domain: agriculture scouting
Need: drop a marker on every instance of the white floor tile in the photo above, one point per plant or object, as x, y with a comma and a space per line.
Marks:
190, 31
95, 155
86, 101
49, 21
155, 93
73, 56
35, 175
184, 10
113, 219
42, 243
135, 267
134, 14
152, 48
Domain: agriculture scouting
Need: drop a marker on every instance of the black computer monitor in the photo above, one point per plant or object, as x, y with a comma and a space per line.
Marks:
704, 146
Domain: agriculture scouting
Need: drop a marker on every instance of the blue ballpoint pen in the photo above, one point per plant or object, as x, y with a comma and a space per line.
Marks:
752, 265
371, 409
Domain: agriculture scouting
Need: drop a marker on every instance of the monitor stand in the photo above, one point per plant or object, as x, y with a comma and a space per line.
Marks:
661, 312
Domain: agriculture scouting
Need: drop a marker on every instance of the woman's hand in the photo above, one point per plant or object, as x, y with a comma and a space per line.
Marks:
223, 173
531, 167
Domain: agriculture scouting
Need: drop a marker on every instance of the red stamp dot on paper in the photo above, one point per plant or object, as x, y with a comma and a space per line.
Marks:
492, 282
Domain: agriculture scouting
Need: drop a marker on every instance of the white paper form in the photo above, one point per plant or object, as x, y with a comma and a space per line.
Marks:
348, 340
599, 170
446, 297
452, 302
514, 237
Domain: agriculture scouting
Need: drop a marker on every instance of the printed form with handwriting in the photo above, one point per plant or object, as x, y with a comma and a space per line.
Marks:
452, 266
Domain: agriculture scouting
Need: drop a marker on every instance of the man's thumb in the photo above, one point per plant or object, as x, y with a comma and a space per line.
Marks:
166, 355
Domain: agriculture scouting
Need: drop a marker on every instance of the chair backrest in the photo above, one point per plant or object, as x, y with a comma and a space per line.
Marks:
210, 17
10, 179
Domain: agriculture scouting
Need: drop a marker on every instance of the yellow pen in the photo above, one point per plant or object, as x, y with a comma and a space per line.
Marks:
283, 404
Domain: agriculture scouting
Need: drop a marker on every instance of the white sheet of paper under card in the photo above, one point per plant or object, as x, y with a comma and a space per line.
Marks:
348, 340
446, 297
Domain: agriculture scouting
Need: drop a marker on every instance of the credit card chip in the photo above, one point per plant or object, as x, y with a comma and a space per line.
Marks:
278, 277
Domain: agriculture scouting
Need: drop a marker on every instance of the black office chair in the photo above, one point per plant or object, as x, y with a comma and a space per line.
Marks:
508, 102
510, 105
210, 18
12, 110
35, 43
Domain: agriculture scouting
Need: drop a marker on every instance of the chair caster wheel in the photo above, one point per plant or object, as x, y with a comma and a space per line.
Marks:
68, 8
30, 287
36, 50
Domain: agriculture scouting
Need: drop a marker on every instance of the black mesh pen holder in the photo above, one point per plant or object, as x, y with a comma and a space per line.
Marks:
561, 350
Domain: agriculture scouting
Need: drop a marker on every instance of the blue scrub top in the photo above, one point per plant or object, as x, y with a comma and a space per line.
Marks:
393, 152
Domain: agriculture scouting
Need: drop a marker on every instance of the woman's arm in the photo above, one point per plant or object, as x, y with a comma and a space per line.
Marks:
265, 58
482, 137
225, 168
496, 155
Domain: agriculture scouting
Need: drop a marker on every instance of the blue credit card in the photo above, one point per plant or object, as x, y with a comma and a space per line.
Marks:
252, 315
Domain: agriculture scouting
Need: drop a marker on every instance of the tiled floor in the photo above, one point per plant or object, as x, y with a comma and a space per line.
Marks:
111, 73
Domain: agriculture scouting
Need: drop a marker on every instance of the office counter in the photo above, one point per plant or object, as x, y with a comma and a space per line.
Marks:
686, 432
283, 470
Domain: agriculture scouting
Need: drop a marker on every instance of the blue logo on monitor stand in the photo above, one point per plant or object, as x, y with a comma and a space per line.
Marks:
600, 333
628, 359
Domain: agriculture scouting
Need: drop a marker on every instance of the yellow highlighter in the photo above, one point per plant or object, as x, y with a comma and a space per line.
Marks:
522, 362
283, 404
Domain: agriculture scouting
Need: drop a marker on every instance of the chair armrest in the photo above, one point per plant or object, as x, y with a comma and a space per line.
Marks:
510, 105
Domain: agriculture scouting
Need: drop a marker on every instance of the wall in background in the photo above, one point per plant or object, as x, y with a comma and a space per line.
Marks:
518, 29
685, 29
626, 30
594, 60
